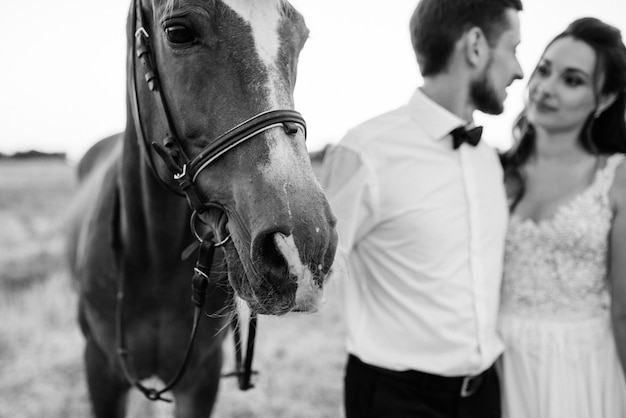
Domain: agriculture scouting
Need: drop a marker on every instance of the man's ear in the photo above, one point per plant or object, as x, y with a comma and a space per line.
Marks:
476, 47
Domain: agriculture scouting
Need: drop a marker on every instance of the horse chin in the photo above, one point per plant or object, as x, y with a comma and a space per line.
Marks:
308, 298
264, 297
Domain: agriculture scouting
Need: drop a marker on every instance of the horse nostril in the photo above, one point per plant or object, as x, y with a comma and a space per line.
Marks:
267, 253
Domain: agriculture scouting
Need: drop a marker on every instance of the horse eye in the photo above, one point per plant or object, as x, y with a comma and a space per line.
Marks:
179, 35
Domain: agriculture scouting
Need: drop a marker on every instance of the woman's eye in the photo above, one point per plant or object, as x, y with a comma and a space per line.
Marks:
573, 81
179, 34
543, 70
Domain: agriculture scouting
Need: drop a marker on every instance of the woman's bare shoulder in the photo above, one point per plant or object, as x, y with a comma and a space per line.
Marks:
618, 189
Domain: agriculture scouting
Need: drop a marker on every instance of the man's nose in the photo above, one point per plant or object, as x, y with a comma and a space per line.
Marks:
519, 73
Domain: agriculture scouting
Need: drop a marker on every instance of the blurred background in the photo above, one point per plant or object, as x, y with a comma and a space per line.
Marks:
62, 87
62, 72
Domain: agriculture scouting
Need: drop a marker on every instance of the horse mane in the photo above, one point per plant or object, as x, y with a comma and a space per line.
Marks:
285, 8
169, 6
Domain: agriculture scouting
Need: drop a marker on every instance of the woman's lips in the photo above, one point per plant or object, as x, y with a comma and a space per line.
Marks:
543, 107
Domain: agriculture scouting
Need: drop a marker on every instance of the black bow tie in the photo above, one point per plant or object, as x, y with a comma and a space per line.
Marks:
461, 134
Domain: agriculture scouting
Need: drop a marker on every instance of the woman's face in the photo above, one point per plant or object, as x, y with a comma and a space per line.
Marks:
561, 90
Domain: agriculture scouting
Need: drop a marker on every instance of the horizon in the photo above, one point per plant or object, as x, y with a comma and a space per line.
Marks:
64, 86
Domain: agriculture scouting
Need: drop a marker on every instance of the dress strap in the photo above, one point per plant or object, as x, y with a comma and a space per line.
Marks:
606, 175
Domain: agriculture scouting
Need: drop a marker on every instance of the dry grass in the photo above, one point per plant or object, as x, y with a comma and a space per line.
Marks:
300, 357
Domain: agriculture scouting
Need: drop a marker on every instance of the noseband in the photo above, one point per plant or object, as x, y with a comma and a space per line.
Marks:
185, 171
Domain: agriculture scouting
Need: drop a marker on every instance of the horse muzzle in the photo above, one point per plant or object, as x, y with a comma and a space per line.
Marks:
282, 271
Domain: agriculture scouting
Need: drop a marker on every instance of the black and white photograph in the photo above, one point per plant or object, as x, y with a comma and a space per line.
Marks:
313, 209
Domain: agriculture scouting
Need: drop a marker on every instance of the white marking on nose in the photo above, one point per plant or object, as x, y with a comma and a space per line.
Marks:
285, 186
308, 294
283, 167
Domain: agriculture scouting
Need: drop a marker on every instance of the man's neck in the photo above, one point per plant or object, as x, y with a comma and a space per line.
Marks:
451, 93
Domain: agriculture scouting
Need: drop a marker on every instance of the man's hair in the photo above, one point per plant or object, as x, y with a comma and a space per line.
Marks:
436, 25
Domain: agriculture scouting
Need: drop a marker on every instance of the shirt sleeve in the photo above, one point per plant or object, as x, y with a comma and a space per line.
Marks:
349, 184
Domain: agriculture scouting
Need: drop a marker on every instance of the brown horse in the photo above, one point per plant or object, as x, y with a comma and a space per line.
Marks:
210, 131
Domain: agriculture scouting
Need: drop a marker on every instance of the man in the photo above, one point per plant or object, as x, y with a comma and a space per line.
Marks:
422, 218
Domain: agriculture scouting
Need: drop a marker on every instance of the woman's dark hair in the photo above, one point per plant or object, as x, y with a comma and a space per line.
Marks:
605, 134
436, 25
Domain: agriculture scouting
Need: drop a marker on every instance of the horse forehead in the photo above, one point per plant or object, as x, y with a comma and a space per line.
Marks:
263, 16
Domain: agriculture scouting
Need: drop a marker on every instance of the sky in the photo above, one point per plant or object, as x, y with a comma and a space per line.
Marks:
62, 67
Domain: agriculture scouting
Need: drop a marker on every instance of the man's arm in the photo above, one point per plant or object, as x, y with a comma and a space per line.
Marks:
349, 185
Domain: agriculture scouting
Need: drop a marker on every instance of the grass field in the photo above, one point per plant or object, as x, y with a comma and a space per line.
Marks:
300, 357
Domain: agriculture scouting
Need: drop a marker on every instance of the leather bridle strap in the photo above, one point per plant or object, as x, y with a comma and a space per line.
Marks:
199, 285
185, 172
289, 120
243, 365
141, 50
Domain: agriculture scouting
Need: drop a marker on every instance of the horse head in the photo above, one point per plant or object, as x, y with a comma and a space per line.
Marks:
212, 98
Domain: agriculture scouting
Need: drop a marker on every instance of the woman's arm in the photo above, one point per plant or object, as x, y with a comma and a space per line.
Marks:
617, 262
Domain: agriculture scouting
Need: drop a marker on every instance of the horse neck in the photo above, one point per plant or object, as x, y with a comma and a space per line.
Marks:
156, 219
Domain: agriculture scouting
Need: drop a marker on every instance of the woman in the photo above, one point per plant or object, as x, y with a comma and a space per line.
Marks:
563, 309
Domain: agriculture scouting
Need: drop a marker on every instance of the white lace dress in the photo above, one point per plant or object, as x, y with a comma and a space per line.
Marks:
560, 359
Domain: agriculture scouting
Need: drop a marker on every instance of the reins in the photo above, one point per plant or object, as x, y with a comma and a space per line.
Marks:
199, 284
185, 172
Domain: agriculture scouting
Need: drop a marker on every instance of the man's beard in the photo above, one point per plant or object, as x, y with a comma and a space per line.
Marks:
484, 96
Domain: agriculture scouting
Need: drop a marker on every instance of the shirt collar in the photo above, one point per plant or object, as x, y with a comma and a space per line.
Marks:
432, 117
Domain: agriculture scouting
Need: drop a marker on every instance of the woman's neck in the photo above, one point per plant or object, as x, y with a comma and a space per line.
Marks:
558, 147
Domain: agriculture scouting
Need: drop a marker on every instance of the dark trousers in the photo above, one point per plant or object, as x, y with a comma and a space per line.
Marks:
374, 392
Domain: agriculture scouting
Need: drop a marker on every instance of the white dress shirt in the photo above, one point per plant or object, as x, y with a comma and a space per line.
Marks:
423, 228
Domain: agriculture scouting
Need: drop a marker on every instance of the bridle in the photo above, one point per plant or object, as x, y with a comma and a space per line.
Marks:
185, 171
